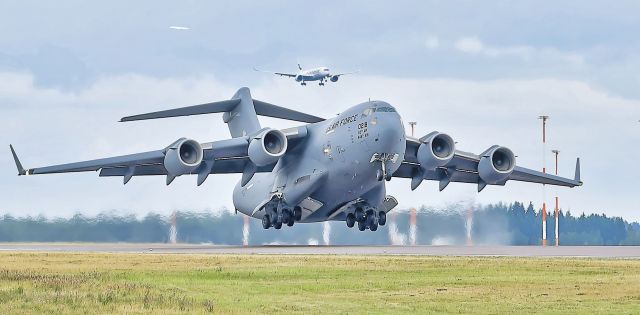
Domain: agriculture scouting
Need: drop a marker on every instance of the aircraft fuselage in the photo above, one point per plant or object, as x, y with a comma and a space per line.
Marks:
313, 75
342, 163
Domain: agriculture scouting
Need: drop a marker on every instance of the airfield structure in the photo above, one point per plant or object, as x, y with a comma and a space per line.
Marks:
544, 119
412, 215
173, 230
413, 230
469, 224
245, 231
556, 211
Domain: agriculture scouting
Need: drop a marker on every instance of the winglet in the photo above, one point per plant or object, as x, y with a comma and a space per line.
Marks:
577, 176
21, 170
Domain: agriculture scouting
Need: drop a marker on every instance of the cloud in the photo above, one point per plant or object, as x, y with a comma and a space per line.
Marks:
473, 45
50, 126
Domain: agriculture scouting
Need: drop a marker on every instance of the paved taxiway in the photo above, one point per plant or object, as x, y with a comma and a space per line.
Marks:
524, 251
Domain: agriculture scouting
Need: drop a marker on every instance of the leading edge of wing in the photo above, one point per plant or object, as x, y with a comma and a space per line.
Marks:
136, 159
532, 176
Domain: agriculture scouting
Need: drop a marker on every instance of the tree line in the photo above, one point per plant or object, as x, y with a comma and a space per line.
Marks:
506, 224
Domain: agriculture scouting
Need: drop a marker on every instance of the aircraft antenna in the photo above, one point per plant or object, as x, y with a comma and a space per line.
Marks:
413, 126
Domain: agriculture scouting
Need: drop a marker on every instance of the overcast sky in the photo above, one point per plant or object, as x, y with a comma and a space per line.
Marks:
480, 71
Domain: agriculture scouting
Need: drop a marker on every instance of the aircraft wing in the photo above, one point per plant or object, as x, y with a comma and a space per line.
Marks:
291, 75
345, 73
463, 168
219, 157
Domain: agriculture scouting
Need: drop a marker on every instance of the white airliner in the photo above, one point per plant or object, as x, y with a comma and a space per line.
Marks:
321, 74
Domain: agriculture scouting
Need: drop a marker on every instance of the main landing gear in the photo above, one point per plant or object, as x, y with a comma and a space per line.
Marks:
281, 215
303, 83
366, 218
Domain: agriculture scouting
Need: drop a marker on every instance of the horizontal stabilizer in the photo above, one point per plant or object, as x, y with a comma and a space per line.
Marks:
208, 108
270, 110
232, 107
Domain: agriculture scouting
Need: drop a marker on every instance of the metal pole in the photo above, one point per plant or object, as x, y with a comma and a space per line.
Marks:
544, 119
412, 215
557, 211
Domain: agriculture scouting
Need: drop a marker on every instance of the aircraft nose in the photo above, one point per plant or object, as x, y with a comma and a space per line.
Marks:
390, 128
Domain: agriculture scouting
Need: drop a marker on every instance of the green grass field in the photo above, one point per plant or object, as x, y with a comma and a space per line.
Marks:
144, 283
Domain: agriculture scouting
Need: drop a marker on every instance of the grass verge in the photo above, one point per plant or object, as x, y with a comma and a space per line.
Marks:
174, 283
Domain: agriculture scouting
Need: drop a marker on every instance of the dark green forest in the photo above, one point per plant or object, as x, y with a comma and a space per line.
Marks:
513, 224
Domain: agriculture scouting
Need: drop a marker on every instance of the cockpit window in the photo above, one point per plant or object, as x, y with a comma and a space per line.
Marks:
385, 109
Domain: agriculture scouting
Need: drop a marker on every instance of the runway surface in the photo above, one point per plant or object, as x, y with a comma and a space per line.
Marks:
523, 251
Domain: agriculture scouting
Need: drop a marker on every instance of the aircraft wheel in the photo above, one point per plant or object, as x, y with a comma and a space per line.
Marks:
359, 214
374, 226
265, 222
351, 220
297, 213
388, 177
382, 218
361, 225
287, 216
290, 222
278, 225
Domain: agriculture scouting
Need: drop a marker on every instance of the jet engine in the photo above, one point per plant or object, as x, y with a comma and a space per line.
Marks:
334, 78
267, 147
436, 150
183, 157
298, 78
496, 165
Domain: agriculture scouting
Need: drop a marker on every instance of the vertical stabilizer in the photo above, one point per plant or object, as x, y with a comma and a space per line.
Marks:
242, 119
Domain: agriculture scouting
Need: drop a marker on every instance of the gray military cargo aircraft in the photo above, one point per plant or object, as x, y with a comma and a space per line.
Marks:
328, 169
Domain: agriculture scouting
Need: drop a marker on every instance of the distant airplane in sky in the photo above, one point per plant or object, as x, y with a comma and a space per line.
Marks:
180, 28
321, 74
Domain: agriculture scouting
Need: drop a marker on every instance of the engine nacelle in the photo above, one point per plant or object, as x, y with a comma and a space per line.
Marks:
496, 165
298, 78
267, 147
334, 78
436, 150
183, 157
